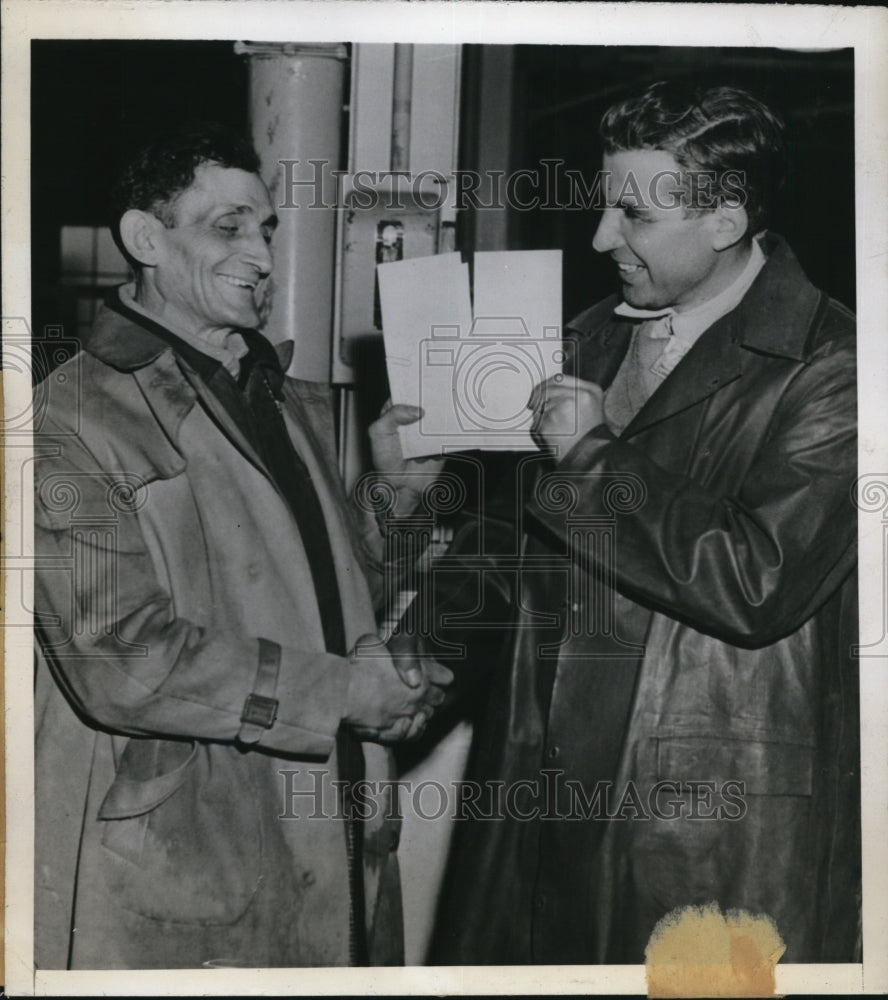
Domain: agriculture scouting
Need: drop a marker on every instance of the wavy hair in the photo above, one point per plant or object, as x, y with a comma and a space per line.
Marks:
723, 131
165, 166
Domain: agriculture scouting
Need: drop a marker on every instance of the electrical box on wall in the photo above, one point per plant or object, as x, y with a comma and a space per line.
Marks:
395, 200
390, 223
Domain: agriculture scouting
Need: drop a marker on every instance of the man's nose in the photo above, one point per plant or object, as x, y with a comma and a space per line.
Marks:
258, 253
608, 236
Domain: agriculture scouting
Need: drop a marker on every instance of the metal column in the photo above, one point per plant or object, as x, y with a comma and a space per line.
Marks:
296, 107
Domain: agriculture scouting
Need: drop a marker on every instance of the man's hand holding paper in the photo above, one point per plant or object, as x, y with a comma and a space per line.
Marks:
564, 410
407, 476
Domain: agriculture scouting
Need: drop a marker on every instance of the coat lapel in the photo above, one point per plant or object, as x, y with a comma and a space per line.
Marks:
714, 361
125, 340
601, 341
718, 357
224, 422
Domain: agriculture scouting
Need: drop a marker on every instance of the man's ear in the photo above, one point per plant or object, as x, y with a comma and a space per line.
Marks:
141, 233
729, 225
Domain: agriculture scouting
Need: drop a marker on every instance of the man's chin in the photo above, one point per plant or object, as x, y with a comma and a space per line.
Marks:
246, 320
640, 299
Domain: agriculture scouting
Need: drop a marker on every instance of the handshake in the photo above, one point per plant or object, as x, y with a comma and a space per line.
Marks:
393, 689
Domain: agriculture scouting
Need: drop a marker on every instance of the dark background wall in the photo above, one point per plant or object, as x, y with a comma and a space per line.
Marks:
92, 102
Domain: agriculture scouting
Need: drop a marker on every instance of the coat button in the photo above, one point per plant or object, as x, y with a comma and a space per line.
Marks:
308, 878
553, 752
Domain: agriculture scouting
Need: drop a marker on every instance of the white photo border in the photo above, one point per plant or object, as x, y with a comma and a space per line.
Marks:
792, 27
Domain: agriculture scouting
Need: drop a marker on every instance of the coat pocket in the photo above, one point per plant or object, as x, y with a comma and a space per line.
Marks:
733, 825
182, 832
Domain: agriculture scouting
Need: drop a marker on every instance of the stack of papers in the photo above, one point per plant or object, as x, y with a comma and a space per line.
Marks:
471, 370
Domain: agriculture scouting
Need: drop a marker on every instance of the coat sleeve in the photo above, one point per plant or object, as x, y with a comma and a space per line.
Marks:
116, 647
752, 565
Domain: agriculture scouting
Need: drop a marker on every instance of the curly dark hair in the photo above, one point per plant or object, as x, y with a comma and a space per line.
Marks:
723, 131
164, 167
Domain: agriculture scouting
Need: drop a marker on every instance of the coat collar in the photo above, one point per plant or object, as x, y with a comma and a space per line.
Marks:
775, 317
765, 325
128, 340
122, 338
131, 342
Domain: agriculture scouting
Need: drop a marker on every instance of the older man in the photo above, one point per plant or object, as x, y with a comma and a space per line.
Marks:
676, 702
201, 597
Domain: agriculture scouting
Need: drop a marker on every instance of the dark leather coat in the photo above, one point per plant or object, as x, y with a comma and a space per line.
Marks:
686, 615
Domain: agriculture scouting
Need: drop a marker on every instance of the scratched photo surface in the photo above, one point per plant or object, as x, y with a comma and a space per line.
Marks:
576, 683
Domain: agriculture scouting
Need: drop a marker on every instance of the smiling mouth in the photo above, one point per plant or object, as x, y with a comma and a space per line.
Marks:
628, 268
239, 282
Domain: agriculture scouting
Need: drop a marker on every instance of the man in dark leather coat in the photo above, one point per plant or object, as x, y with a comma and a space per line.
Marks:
672, 717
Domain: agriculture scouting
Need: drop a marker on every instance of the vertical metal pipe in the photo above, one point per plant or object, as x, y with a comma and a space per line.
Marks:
296, 98
402, 100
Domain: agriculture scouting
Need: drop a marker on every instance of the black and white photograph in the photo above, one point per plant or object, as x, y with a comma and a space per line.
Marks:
446, 498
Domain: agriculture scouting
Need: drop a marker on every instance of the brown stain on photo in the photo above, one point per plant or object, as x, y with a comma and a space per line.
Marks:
698, 951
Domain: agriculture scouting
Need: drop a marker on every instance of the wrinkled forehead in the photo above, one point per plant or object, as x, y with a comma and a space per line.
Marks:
218, 189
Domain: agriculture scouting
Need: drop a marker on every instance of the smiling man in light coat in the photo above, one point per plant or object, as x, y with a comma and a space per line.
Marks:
202, 708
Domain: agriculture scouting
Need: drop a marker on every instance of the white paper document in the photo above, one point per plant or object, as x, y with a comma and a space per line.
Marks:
471, 370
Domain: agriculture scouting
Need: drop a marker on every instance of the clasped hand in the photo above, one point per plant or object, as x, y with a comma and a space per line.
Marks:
393, 690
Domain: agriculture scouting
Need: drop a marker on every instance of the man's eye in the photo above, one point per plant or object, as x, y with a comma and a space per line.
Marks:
228, 230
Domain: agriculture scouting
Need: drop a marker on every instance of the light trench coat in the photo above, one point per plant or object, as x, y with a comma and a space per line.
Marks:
168, 565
